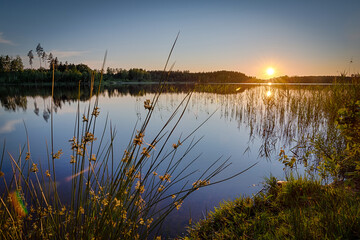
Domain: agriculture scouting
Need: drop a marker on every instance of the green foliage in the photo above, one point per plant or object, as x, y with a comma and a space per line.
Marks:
10, 64
297, 209
334, 153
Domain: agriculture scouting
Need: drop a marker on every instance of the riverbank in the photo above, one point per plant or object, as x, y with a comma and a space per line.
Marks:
299, 209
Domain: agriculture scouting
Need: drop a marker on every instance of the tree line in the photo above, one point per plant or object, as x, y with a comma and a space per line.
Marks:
141, 75
12, 69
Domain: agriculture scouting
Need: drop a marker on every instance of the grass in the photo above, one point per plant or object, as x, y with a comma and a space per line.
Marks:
300, 209
111, 197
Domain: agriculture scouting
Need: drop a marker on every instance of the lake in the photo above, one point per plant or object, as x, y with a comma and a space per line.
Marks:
244, 123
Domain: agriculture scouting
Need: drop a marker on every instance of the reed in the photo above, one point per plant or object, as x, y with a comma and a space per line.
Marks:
110, 197
302, 208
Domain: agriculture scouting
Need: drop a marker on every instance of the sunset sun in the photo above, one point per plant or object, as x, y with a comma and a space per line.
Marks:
270, 71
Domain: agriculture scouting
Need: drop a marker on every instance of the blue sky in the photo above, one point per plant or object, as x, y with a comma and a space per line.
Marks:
295, 37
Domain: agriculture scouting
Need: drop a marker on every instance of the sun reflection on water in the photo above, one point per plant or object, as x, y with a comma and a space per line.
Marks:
268, 93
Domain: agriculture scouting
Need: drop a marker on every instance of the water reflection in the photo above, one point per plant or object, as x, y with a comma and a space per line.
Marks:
248, 117
279, 115
268, 93
9, 126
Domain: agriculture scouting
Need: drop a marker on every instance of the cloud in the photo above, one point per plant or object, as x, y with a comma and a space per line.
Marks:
3, 40
9, 126
65, 54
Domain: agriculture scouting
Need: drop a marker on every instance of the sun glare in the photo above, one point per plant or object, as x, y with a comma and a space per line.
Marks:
270, 71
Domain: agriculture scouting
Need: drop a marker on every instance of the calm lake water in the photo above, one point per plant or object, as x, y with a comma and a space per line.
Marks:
251, 123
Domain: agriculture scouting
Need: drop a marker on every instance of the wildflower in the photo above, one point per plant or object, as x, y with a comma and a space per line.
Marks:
72, 159
126, 158
27, 156
140, 203
34, 168
62, 212
89, 137
139, 138
200, 183
148, 222
155, 173
140, 187
175, 146
124, 213
117, 203
145, 152
58, 154
80, 152
281, 152
131, 171
147, 104
81, 209
93, 157
96, 112
178, 204
161, 188
47, 173
141, 221
84, 118
2, 173
74, 144
173, 196
105, 202
166, 177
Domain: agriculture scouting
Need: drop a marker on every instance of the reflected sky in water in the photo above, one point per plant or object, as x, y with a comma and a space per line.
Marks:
248, 124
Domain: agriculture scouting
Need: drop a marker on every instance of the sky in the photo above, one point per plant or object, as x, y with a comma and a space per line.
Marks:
294, 37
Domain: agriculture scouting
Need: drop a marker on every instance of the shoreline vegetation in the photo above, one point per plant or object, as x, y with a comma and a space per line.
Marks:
123, 200
321, 203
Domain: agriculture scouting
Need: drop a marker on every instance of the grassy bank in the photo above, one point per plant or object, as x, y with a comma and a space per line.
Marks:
300, 209
304, 207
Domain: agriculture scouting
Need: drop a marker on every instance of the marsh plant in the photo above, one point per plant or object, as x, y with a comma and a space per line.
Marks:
111, 197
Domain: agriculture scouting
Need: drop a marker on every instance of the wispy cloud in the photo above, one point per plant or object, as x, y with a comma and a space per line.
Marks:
5, 41
9, 126
64, 54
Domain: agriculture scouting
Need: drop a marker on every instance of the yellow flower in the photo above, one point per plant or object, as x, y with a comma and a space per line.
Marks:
96, 112
27, 156
47, 173
58, 154
166, 177
72, 159
178, 204
145, 152
139, 138
34, 168
175, 146
81, 209
84, 118
147, 104
89, 137
161, 188
200, 183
